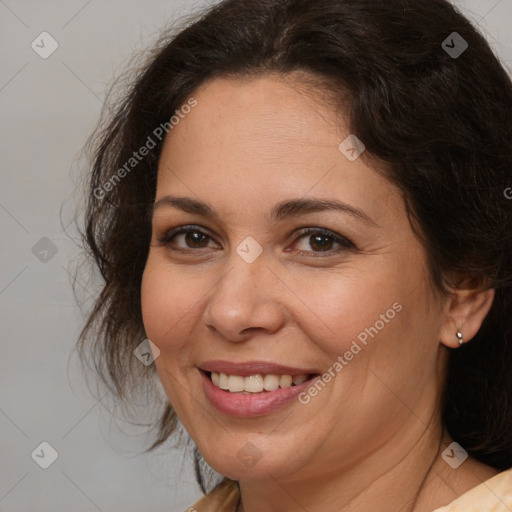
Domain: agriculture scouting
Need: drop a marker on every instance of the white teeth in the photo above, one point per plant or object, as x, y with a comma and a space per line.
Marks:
285, 381
223, 381
299, 379
255, 383
271, 382
235, 383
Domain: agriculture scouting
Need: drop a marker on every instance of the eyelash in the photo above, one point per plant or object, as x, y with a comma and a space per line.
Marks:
345, 243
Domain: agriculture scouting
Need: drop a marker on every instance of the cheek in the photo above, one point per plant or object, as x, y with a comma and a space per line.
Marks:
168, 301
342, 306
383, 327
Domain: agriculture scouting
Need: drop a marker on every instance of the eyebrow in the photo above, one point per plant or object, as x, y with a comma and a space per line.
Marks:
283, 210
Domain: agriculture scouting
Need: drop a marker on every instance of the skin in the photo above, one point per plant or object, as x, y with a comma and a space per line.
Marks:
371, 439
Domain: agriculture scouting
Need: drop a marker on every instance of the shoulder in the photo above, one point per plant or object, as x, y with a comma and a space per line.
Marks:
223, 498
493, 495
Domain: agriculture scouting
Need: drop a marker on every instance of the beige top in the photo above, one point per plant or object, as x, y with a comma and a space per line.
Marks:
493, 495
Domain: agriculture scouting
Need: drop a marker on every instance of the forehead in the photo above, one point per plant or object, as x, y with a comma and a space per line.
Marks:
268, 137
265, 114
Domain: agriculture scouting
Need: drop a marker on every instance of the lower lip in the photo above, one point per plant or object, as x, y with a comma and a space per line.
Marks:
250, 406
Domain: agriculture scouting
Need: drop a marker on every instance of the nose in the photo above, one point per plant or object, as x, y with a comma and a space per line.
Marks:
246, 299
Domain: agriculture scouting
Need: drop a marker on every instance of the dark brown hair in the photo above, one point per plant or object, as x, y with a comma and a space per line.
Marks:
439, 124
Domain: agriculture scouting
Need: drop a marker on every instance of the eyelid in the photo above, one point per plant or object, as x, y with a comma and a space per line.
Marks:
187, 228
183, 227
299, 233
339, 239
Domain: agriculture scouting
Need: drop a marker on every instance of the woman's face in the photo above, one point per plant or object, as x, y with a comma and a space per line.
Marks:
296, 260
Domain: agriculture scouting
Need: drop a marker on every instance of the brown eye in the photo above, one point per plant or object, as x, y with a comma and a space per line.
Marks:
186, 238
321, 241
194, 239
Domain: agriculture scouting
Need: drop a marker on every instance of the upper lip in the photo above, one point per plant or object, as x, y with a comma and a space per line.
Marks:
252, 368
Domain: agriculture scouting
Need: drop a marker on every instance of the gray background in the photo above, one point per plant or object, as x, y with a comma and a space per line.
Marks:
48, 107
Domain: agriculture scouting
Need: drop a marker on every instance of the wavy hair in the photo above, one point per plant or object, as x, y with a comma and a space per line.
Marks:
438, 123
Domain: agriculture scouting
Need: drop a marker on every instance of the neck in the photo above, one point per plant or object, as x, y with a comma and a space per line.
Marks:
412, 466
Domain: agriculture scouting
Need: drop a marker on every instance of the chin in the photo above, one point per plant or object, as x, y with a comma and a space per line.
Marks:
249, 460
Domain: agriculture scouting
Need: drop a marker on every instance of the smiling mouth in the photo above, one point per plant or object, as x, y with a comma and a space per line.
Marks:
258, 383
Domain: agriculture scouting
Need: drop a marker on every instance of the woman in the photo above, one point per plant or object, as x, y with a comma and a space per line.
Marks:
302, 205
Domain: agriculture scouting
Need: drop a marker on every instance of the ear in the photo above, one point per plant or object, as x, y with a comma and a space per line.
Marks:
465, 313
